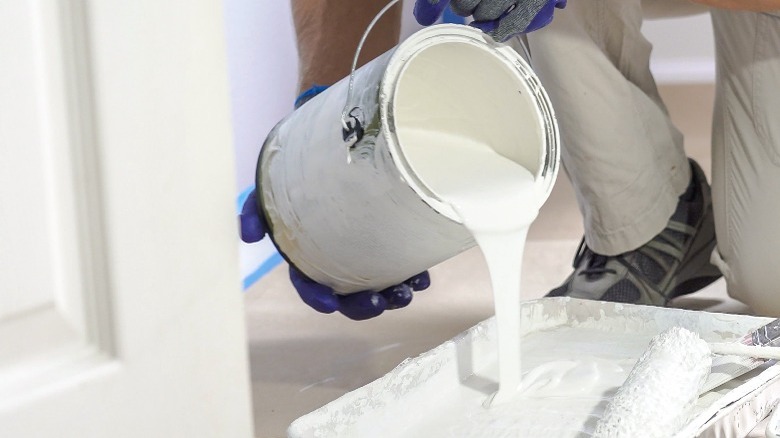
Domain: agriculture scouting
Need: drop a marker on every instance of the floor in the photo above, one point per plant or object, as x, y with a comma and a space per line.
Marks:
300, 360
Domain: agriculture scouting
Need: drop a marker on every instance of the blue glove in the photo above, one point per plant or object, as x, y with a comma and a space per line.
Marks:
357, 306
501, 19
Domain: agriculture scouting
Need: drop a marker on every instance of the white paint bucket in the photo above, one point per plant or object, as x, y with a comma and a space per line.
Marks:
347, 208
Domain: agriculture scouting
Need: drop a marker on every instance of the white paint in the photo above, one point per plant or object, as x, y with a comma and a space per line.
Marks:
496, 200
568, 375
503, 251
560, 393
658, 397
576, 354
472, 135
485, 92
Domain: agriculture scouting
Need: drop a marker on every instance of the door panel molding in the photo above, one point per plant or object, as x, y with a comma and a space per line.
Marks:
71, 332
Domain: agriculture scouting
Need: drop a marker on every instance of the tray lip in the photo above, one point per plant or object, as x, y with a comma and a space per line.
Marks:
731, 401
300, 426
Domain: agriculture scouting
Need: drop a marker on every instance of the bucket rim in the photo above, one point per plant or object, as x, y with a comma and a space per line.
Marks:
549, 158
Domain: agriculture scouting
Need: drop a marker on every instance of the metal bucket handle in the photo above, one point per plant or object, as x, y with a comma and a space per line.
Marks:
353, 117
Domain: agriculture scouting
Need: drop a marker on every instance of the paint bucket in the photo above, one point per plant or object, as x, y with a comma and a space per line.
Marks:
341, 198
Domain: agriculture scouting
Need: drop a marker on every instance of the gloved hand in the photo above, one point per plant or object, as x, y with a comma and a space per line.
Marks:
501, 19
357, 306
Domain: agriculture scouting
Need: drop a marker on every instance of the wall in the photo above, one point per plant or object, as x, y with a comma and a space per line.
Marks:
263, 72
683, 50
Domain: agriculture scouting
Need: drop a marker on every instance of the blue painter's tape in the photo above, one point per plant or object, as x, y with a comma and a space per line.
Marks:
272, 262
451, 18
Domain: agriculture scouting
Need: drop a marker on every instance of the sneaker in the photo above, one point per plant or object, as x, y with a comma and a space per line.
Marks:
675, 262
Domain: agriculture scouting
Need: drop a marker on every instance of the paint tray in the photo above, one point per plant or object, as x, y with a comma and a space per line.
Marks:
575, 355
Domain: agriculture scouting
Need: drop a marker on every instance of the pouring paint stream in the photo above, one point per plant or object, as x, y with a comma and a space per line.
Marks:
496, 201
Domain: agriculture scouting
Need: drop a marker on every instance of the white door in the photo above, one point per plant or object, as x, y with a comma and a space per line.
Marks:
120, 304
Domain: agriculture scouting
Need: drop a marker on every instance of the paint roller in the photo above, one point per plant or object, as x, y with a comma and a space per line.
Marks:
660, 392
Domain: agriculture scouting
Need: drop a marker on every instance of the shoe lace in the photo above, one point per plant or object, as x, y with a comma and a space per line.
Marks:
596, 263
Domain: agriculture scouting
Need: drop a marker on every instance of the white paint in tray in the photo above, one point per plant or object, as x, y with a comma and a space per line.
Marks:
575, 356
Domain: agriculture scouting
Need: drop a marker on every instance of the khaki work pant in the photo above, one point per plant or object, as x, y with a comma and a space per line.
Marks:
626, 158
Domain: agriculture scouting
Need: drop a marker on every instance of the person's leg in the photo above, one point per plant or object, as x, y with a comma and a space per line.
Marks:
621, 150
328, 33
647, 211
746, 156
